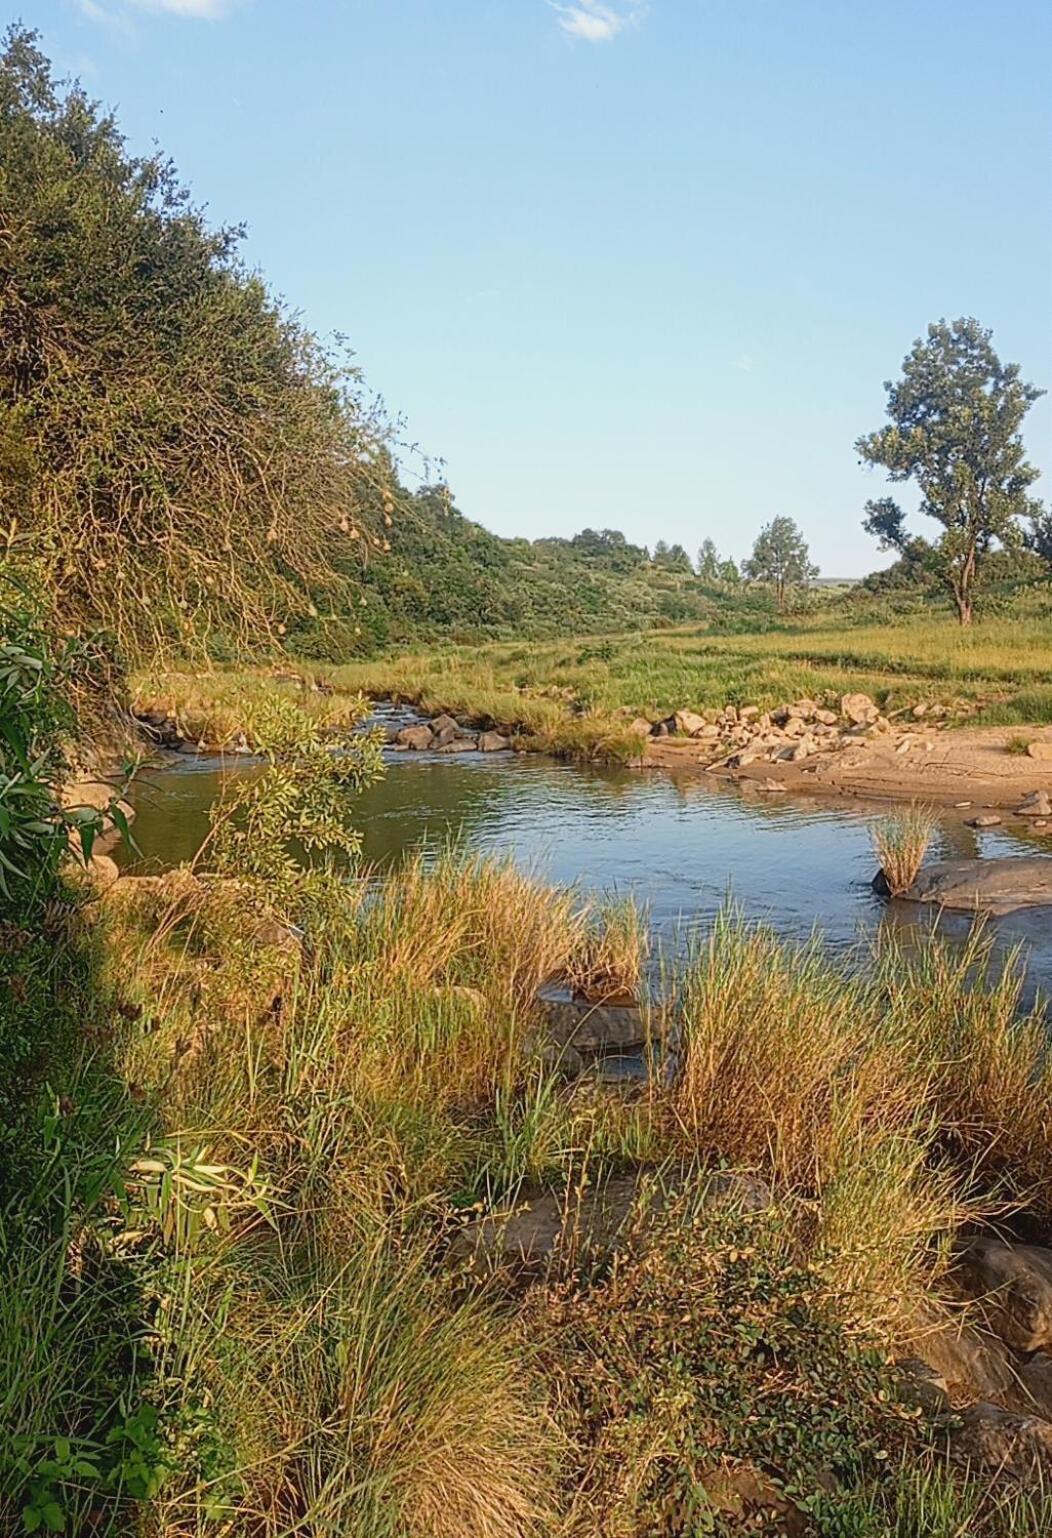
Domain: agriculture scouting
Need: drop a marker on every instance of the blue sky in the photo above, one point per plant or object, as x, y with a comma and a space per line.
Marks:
618, 264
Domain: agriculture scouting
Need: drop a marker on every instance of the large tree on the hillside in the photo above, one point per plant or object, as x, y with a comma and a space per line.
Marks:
181, 456
954, 428
780, 558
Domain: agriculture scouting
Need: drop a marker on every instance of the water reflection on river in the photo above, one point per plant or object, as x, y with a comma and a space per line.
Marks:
683, 847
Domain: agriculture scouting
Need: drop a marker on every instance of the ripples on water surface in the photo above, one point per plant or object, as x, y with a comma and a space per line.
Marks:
682, 847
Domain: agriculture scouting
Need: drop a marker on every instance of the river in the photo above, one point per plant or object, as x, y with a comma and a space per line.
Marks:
682, 847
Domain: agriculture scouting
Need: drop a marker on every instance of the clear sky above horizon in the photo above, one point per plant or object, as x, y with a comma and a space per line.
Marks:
641, 266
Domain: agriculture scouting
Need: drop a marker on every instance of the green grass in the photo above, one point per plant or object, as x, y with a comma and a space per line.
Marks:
572, 693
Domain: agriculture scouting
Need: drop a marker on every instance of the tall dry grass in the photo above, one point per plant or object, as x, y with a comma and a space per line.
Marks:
900, 843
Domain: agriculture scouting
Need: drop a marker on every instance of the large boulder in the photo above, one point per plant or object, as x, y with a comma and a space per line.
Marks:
493, 742
415, 737
994, 886
444, 723
859, 709
460, 745
973, 1363
689, 722
594, 1027
1037, 804
1013, 1285
1040, 750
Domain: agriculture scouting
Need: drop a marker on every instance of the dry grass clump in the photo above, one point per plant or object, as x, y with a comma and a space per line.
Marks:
900, 843
988, 1061
610, 960
788, 1067
220, 706
356, 1395
474, 922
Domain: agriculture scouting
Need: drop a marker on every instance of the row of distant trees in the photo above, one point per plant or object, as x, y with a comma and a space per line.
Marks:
780, 558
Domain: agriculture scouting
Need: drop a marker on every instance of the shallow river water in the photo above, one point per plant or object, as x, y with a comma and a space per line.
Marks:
683, 848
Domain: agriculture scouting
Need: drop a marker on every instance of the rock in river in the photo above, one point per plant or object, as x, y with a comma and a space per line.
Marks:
594, 1027
493, 742
415, 737
995, 886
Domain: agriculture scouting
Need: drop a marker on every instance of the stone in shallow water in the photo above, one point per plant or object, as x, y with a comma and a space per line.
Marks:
493, 742
415, 737
995, 886
984, 820
594, 1027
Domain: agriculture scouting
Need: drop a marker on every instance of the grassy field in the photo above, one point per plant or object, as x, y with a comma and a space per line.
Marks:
576, 696
575, 690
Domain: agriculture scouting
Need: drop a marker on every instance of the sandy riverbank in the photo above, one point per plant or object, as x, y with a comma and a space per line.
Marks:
944, 767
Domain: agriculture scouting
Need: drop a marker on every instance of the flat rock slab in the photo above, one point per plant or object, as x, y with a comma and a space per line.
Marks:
531, 1234
594, 1027
995, 886
1013, 1284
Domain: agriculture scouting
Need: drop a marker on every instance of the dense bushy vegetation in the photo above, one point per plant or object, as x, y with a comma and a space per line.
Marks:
445, 576
178, 454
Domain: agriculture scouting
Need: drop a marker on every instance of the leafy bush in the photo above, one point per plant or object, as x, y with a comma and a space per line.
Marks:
185, 458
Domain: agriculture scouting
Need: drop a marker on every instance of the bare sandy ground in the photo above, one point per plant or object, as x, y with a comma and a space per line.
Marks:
945, 766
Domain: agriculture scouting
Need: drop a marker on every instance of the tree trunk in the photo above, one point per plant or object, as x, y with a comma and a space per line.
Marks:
964, 607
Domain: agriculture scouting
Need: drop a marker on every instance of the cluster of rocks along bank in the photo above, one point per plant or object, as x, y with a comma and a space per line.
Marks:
444, 734
739, 735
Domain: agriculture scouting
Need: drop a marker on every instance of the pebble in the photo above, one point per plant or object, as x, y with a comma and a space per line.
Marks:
984, 820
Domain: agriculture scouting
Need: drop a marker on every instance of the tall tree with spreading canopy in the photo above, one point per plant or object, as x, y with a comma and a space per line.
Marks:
780, 558
954, 428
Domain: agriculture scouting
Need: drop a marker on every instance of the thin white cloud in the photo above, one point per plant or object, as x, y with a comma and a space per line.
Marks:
597, 21
744, 362
201, 10
117, 13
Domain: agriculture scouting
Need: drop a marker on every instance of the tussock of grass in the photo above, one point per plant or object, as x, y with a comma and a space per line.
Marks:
900, 843
610, 960
219, 707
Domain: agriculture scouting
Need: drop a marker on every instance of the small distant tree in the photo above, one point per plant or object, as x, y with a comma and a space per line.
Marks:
780, 558
708, 561
671, 557
954, 428
728, 573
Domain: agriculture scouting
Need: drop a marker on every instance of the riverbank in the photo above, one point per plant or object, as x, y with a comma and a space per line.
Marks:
386, 1176
897, 742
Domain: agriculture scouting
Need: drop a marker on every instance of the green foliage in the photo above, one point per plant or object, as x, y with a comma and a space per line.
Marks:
37, 728
302, 803
445, 576
781, 559
714, 1350
955, 420
183, 458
